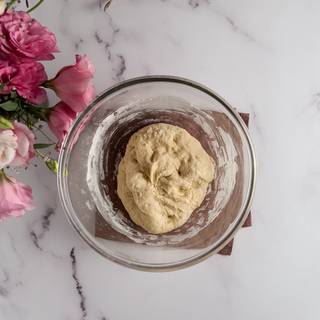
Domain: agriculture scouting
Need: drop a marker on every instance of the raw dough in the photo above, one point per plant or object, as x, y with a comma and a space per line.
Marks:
163, 177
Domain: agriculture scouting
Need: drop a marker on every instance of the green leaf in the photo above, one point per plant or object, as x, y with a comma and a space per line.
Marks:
5, 123
42, 145
35, 6
52, 165
9, 105
2, 85
10, 4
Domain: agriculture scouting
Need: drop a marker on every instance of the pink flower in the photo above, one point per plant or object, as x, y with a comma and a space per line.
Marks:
25, 78
73, 84
15, 197
22, 38
8, 146
25, 142
60, 119
16, 145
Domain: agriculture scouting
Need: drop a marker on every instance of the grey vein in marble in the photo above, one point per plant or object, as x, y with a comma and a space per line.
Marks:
15, 250
196, 3
3, 292
8, 277
108, 43
78, 43
237, 29
78, 285
35, 239
3, 283
45, 226
105, 4
117, 59
231, 22
316, 101
121, 67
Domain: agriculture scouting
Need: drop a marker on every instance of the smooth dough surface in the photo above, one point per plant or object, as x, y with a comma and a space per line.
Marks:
163, 176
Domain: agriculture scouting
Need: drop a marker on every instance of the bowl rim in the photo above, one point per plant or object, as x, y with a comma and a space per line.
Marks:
89, 239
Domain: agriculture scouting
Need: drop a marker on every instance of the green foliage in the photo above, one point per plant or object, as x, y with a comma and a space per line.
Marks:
52, 165
43, 145
5, 123
9, 105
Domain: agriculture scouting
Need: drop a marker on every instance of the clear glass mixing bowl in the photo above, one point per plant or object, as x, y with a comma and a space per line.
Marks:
96, 142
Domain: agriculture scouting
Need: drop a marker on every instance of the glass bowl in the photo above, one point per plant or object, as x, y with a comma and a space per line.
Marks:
87, 178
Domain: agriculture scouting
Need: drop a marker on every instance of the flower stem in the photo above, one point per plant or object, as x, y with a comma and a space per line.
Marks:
10, 4
43, 133
35, 6
48, 84
41, 155
51, 164
3, 176
31, 126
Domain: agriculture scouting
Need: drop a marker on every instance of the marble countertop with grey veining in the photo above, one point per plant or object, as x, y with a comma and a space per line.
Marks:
261, 56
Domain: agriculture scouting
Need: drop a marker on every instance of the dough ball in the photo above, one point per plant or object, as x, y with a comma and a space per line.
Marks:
163, 177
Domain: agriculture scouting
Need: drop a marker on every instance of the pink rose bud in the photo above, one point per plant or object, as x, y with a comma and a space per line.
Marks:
73, 84
25, 78
60, 119
15, 197
22, 38
16, 145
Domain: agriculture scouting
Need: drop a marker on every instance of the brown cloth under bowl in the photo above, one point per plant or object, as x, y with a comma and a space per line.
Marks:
105, 231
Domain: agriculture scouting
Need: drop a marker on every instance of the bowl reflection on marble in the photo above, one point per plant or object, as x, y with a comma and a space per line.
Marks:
96, 143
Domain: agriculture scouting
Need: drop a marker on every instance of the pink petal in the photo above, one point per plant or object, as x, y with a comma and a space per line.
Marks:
15, 198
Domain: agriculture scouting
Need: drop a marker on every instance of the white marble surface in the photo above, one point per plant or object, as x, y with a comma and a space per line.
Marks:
263, 57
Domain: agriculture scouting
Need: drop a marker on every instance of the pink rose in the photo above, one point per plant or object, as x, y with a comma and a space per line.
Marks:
60, 119
16, 145
25, 78
25, 142
8, 147
15, 197
22, 38
73, 84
